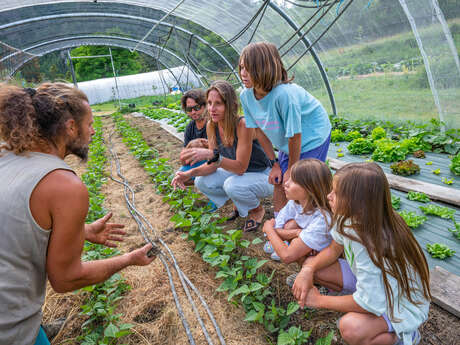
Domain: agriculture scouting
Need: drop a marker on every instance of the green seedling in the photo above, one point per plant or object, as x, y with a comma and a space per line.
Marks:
440, 211
412, 219
447, 181
439, 251
340, 155
418, 196
436, 171
429, 163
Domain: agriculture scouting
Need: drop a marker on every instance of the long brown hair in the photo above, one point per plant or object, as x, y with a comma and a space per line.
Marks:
363, 198
30, 118
263, 63
228, 95
315, 178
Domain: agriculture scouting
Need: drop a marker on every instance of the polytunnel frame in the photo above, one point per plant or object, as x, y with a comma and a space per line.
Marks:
113, 15
74, 41
276, 8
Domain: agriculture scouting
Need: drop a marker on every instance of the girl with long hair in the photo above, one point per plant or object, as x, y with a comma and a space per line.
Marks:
237, 166
284, 114
385, 272
306, 218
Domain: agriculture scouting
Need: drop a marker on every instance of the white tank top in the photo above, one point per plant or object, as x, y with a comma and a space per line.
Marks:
23, 246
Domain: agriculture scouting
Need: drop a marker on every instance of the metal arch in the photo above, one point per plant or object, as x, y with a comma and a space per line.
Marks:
111, 15
103, 41
313, 53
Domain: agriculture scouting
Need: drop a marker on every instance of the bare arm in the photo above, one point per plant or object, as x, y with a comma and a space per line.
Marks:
275, 173
65, 208
288, 234
287, 254
344, 304
243, 150
295, 147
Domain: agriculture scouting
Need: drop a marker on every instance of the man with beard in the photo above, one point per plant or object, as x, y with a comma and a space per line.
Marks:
194, 104
43, 206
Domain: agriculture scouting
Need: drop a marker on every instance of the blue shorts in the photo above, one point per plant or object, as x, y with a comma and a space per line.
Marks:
42, 338
319, 152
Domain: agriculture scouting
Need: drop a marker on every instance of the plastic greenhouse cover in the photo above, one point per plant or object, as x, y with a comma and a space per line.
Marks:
393, 38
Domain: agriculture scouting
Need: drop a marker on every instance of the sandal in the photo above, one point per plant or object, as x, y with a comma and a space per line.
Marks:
251, 225
232, 216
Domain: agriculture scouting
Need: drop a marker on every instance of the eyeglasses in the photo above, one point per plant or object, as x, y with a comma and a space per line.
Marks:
196, 108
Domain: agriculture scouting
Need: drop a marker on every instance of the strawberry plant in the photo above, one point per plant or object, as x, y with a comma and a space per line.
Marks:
418, 196
440, 251
412, 219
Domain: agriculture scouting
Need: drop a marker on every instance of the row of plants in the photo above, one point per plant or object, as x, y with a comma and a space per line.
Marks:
178, 120
244, 279
103, 325
414, 220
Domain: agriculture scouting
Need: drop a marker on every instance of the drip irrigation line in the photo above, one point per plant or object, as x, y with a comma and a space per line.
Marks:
183, 278
320, 36
311, 28
304, 24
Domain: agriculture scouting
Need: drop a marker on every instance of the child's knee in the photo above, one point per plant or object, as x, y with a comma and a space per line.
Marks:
291, 225
350, 329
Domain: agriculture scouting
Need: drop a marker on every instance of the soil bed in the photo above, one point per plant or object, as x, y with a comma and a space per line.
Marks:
149, 305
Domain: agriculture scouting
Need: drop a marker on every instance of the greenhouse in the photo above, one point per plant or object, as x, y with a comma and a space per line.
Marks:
387, 72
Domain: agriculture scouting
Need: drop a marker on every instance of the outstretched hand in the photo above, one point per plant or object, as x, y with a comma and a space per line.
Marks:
180, 179
302, 287
101, 232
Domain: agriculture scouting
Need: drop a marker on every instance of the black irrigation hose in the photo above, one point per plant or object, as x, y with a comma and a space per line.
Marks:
320, 36
183, 278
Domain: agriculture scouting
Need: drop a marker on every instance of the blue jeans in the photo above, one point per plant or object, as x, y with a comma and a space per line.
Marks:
190, 167
244, 190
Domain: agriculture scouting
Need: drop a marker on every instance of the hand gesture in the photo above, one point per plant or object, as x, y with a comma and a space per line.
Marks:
194, 155
139, 256
101, 232
269, 225
302, 285
275, 175
179, 179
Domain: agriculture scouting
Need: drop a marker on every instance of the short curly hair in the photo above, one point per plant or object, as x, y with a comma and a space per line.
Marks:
198, 95
30, 118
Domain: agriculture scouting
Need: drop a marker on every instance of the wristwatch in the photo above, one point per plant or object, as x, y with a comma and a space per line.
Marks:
273, 161
216, 158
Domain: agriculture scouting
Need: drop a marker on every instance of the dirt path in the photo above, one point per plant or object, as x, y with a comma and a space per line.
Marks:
149, 305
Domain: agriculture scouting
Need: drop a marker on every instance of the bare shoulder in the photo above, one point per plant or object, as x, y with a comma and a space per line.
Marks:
62, 183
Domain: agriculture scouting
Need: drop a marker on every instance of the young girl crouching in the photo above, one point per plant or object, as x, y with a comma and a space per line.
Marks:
306, 218
385, 271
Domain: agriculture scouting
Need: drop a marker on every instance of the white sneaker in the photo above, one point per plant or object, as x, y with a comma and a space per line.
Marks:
275, 257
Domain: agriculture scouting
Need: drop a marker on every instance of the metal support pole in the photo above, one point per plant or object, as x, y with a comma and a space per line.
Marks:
115, 77
72, 70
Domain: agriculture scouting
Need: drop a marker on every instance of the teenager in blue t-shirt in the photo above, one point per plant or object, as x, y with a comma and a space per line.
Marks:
291, 119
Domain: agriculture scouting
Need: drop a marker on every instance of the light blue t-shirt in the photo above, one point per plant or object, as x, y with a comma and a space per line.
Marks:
287, 110
370, 289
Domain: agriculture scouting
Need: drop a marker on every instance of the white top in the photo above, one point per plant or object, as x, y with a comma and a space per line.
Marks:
314, 233
370, 290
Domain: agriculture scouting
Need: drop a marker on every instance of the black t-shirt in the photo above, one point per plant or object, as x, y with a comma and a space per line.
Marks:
192, 132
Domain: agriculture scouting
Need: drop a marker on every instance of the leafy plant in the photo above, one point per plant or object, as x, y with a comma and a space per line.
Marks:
440, 251
378, 133
420, 154
418, 196
429, 163
388, 151
352, 135
447, 181
337, 135
440, 211
436, 171
412, 219
456, 231
361, 146
396, 202
294, 336
405, 168
455, 165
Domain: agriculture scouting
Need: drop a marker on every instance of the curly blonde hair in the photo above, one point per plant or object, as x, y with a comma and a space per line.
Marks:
31, 118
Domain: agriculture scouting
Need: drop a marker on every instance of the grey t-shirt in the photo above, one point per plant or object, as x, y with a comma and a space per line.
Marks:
192, 132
